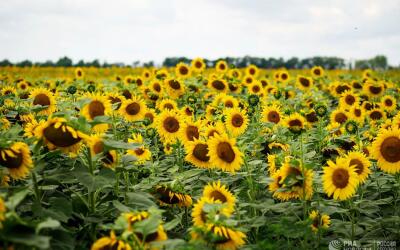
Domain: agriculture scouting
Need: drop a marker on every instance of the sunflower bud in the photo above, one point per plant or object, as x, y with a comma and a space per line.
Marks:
321, 110
351, 127
150, 132
191, 99
91, 88
71, 90
253, 100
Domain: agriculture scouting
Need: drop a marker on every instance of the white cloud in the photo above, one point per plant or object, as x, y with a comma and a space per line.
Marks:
129, 30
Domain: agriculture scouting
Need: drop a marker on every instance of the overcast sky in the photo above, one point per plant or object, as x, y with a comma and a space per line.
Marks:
129, 30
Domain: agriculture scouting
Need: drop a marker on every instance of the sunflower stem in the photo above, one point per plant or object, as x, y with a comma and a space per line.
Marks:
36, 187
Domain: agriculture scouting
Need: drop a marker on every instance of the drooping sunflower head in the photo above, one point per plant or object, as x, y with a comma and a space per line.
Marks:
295, 122
236, 121
339, 179
167, 104
220, 193
223, 237
197, 153
133, 109
43, 98
386, 150
115, 100
16, 159
167, 197
58, 134
304, 83
319, 221
361, 163
224, 153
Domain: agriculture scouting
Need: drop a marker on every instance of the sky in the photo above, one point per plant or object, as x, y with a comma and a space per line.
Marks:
144, 30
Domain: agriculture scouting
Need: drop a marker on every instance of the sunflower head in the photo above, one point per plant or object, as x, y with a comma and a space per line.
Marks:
386, 150
16, 159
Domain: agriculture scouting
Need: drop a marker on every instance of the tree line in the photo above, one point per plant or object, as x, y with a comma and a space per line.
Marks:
377, 62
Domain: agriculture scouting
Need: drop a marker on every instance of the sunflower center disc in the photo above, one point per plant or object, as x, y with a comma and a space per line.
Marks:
96, 108
133, 108
340, 178
340, 118
171, 124
12, 162
359, 165
58, 137
218, 84
200, 151
192, 132
237, 120
42, 100
273, 116
174, 84
216, 195
225, 152
390, 149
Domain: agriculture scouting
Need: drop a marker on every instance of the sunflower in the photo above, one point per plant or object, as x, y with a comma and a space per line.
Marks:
230, 101
386, 150
319, 221
348, 99
271, 114
167, 104
221, 66
356, 113
110, 242
133, 109
174, 87
190, 131
197, 153
317, 71
295, 122
199, 216
141, 153
339, 179
79, 74
150, 115
388, 103
284, 76
98, 106
304, 83
169, 125
17, 159
23, 86
218, 84
361, 163
376, 114
133, 217
128, 80
211, 130
139, 81
256, 88
96, 144
373, 89
236, 121
248, 80
4, 124
156, 87
235, 73
115, 100
224, 154
225, 238
339, 116
29, 128
146, 74
8, 91
198, 65
57, 134
182, 70
2, 211
219, 193
45, 99
252, 70
291, 182
167, 197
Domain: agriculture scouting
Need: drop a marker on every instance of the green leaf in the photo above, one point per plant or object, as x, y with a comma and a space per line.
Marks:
111, 144
140, 200
16, 199
48, 223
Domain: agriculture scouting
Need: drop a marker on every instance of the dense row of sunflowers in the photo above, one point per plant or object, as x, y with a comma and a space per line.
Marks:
120, 158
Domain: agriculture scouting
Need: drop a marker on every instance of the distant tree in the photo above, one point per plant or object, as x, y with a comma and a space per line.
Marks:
80, 63
378, 62
64, 62
25, 63
5, 63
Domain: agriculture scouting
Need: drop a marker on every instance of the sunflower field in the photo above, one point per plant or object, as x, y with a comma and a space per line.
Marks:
197, 157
